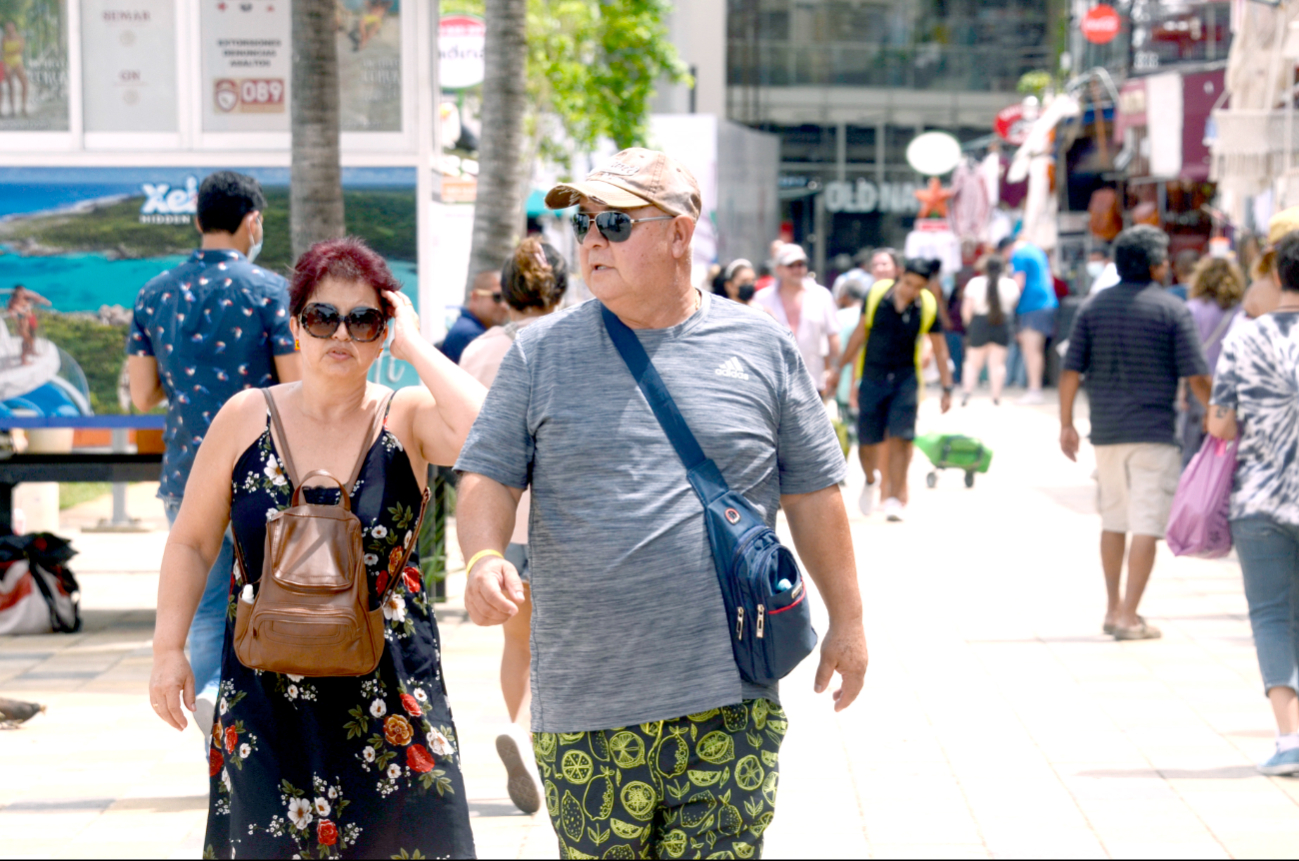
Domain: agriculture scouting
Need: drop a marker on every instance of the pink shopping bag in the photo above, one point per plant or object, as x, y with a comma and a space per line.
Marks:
1197, 523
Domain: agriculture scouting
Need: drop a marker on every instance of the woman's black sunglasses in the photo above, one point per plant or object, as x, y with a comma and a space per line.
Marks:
613, 225
363, 324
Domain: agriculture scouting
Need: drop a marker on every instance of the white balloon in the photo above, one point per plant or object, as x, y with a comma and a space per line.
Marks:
934, 153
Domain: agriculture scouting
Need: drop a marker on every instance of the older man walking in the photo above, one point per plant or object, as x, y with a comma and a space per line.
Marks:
1132, 343
807, 308
647, 738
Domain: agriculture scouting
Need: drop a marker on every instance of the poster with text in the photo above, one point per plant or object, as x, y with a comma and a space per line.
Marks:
128, 50
33, 65
247, 65
369, 65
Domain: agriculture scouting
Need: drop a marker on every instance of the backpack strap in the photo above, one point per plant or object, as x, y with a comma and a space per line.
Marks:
283, 447
874, 297
928, 310
376, 424
376, 427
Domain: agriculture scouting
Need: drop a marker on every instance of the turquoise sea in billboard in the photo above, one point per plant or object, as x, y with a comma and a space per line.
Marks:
84, 282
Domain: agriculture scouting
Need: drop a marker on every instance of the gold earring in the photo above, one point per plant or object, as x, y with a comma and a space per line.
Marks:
297, 346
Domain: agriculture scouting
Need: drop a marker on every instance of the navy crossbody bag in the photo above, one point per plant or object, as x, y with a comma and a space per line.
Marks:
766, 600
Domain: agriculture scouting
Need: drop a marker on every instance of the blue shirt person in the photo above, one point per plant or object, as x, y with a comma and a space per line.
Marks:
484, 309
1035, 313
201, 332
1037, 293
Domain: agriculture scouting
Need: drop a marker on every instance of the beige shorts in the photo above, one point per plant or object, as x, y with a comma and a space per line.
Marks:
1135, 486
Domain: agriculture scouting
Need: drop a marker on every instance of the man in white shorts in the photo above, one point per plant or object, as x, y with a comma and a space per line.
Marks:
1132, 342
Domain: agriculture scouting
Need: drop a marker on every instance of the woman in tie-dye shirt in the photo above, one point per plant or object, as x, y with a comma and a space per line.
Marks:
1256, 398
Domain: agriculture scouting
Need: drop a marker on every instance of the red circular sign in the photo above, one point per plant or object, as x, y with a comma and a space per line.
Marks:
1011, 125
1101, 24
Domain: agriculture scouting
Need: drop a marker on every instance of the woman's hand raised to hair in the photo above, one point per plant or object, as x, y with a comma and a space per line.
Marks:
405, 328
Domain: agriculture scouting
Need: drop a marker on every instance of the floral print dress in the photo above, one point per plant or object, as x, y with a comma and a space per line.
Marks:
364, 767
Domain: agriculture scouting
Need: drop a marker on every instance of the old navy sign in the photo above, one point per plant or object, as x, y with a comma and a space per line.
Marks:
866, 196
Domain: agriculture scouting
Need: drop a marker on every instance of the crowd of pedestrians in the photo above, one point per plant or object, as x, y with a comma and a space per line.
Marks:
580, 515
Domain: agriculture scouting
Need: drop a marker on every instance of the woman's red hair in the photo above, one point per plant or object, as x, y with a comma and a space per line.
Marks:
347, 259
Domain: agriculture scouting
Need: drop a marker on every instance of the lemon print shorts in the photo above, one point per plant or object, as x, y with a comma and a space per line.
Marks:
699, 786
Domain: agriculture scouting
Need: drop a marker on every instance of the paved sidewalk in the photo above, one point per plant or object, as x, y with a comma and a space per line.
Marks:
996, 721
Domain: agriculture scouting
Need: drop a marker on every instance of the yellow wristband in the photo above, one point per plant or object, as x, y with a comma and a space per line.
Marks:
473, 560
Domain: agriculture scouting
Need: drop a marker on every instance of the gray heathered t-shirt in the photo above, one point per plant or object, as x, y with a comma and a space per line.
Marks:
628, 623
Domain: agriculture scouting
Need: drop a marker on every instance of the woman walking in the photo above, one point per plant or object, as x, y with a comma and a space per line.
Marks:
532, 283
987, 308
1256, 397
342, 766
1216, 289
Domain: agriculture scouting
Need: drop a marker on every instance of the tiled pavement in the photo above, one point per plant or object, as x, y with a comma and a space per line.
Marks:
996, 721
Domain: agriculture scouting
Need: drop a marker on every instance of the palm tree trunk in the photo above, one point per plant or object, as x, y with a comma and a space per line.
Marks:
315, 179
498, 211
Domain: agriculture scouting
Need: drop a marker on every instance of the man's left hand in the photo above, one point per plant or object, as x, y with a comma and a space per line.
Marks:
1069, 442
844, 651
947, 401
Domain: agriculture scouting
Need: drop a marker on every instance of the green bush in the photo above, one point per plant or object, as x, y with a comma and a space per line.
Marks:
100, 350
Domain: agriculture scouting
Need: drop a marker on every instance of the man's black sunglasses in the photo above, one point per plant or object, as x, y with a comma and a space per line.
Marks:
363, 324
613, 225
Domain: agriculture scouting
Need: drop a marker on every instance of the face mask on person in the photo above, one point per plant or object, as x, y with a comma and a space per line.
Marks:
1095, 268
256, 247
746, 291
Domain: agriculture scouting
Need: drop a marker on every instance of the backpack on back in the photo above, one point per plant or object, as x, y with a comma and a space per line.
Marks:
309, 614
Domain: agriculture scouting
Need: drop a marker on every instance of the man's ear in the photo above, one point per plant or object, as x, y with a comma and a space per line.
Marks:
683, 231
198, 225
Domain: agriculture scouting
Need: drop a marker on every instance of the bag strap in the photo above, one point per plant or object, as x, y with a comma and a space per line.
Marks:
376, 425
283, 447
380, 416
651, 384
1223, 325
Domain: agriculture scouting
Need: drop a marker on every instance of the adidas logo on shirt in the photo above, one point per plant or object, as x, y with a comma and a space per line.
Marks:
733, 369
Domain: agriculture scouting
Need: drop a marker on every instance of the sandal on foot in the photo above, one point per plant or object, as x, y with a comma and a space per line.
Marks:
1108, 629
1141, 631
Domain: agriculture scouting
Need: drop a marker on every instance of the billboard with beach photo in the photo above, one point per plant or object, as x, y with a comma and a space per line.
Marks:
84, 240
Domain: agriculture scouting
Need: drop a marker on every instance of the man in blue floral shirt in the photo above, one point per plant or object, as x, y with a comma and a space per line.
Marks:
201, 332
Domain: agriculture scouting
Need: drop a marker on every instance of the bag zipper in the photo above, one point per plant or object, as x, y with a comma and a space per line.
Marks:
761, 613
796, 602
739, 623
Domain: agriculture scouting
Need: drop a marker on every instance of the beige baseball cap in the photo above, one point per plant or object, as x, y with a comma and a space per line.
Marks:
635, 177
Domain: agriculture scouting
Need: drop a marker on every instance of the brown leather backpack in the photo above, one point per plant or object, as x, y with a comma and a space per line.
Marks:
310, 614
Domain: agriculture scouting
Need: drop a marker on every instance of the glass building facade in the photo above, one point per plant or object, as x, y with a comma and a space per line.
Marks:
847, 84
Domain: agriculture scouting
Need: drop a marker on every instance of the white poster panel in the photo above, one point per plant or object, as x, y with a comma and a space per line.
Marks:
128, 50
369, 65
247, 63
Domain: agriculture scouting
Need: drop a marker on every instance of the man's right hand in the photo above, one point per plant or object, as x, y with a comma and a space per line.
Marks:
494, 592
1069, 442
